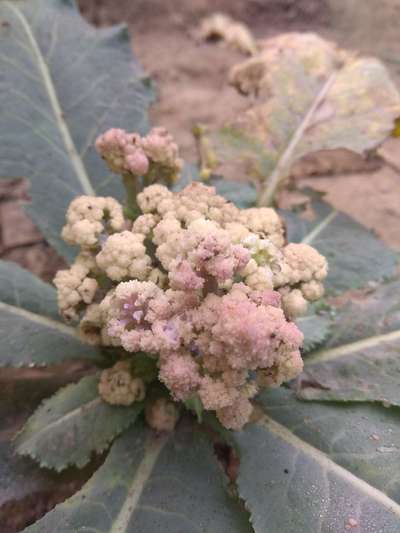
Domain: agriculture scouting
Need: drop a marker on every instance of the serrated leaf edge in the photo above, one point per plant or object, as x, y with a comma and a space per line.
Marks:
310, 345
80, 464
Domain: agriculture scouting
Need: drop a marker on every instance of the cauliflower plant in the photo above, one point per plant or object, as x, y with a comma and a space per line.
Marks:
206, 290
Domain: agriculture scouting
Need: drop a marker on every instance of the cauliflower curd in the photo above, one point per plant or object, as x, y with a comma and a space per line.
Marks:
205, 289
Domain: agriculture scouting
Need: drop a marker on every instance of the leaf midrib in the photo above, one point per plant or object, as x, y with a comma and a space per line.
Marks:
332, 354
39, 319
319, 228
143, 473
71, 150
64, 418
325, 462
285, 158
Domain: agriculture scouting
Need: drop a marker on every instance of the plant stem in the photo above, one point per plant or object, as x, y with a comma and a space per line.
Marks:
132, 188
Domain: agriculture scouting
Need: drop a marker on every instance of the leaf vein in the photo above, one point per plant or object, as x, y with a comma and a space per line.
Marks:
325, 462
137, 486
77, 163
353, 347
39, 319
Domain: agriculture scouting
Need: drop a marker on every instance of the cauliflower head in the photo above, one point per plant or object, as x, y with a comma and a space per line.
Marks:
208, 291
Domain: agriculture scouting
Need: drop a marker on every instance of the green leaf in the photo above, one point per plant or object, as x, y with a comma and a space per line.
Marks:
360, 360
62, 83
362, 438
189, 173
20, 288
370, 314
72, 424
309, 466
308, 96
315, 328
355, 256
365, 370
31, 333
152, 484
241, 193
292, 486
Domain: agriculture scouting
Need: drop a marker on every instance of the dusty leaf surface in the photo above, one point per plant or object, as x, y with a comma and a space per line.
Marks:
308, 96
63, 83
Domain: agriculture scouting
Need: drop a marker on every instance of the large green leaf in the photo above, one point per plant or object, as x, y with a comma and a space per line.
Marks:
62, 83
308, 96
365, 370
32, 335
148, 483
72, 424
371, 314
332, 461
20, 288
362, 438
292, 486
354, 254
360, 360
